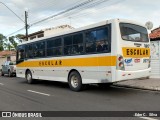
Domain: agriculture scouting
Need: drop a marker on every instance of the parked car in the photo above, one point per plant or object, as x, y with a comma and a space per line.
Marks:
9, 68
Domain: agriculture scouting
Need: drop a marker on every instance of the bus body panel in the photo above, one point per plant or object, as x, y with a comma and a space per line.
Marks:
136, 65
96, 68
130, 75
96, 73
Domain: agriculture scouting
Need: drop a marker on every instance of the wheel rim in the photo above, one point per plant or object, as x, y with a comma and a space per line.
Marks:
74, 81
29, 77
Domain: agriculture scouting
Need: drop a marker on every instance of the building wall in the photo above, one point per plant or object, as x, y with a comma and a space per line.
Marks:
155, 59
49, 32
59, 29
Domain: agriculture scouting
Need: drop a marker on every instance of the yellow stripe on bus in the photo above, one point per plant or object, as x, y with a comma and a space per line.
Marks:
92, 61
136, 52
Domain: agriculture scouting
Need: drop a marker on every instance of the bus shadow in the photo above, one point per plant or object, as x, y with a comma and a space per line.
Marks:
92, 88
52, 84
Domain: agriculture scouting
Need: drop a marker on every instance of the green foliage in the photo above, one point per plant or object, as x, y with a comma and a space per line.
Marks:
19, 36
9, 43
13, 41
1, 42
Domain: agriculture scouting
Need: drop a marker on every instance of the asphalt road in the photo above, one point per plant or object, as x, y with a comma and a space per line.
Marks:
17, 95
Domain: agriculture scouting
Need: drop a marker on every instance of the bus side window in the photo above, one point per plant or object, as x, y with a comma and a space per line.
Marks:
68, 45
90, 41
29, 48
78, 43
39, 49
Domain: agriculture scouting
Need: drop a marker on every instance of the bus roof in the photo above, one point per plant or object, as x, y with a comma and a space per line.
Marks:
83, 28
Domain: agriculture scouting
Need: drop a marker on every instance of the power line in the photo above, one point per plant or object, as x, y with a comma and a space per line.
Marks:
94, 3
51, 4
65, 11
16, 31
12, 12
102, 7
80, 6
86, 14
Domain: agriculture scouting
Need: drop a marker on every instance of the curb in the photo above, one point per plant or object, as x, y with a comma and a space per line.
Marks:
140, 88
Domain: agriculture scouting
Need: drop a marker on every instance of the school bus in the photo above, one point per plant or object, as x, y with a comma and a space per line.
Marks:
101, 53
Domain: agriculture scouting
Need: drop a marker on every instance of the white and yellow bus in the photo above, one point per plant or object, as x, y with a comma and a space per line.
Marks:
106, 52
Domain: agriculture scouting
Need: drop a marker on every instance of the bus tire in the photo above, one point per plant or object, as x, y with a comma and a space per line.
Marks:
75, 81
29, 77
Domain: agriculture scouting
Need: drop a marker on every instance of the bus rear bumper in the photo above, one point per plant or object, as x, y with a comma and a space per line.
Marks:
127, 75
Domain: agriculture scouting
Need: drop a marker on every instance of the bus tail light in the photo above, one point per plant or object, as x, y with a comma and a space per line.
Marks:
120, 58
120, 63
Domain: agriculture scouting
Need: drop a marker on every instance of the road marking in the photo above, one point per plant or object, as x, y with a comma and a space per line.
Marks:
1, 84
148, 118
38, 92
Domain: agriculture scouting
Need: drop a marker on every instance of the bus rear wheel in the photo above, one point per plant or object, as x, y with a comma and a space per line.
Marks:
75, 81
29, 77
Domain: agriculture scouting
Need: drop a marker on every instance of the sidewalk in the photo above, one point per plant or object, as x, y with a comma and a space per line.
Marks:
144, 84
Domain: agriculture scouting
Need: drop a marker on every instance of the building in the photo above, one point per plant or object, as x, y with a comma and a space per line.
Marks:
48, 32
155, 53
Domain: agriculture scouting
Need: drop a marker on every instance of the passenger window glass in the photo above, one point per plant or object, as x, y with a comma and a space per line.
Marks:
58, 42
57, 51
90, 47
50, 43
78, 39
75, 47
102, 34
91, 36
39, 49
68, 50
54, 43
29, 48
102, 46
68, 40
97, 41
54, 47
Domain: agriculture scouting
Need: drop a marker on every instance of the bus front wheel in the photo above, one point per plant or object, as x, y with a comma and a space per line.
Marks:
29, 77
75, 81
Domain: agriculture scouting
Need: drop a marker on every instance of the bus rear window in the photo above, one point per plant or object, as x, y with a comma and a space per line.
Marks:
135, 33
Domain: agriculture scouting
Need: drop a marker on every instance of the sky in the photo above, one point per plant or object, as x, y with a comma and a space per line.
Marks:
95, 11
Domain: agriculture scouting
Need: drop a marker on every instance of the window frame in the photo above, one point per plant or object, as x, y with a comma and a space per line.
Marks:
83, 32
108, 26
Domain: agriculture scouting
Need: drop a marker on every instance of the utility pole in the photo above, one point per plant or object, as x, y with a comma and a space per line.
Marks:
26, 25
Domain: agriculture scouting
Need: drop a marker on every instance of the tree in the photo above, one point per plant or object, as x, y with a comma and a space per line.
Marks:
14, 40
2, 38
19, 37
11, 42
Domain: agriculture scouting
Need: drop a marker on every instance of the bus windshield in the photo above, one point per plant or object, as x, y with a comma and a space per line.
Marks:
135, 33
